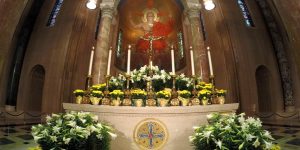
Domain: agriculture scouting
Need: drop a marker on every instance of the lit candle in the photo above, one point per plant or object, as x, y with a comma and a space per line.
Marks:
209, 61
150, 65
172, 58
109, 61
192, 61
128, 59
91, 61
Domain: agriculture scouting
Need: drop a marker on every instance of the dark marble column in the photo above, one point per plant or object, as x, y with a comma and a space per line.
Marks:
200, 53
279, 48
102, 47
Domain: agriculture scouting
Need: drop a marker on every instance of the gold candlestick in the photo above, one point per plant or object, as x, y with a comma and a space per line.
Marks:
213, 99
174, 95
106, 99
195, 100
127, 99
88, 82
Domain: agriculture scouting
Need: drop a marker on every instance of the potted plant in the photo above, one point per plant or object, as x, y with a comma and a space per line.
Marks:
228, 132
221, 95
163, 97
73, 131
99, 87
96, 97
204, 96
117, 97
79, 95
138, 96
184, 97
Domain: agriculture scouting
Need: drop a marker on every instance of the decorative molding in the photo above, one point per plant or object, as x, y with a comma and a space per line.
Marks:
151, 111
193, 9
280, 53
107, 9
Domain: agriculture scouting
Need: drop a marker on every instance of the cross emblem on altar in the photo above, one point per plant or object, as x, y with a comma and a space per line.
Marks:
151, 135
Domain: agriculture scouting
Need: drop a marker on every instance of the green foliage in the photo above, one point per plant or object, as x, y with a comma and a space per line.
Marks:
72, 131
229, 132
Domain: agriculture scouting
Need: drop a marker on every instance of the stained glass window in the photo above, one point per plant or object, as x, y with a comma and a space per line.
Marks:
180, 44
246, 13
54, 13
119, 43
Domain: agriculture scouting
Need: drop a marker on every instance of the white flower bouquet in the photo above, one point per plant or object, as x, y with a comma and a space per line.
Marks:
229, 132
73, 131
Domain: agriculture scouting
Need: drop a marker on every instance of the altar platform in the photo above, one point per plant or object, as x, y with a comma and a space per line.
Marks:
166, 128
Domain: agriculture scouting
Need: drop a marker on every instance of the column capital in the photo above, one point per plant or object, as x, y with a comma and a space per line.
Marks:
107, 9
193, 9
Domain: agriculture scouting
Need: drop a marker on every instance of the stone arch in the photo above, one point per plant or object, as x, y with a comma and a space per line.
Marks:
264, 89
35, 89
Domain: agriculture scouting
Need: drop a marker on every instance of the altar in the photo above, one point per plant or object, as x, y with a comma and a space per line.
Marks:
165, 128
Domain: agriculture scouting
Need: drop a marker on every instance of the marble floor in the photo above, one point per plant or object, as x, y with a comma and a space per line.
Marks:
18, 137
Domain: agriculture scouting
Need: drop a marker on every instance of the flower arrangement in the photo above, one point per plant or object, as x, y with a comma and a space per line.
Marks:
99, 87
204, 94
184, 94
227, 132
72, 131
117, 83
160, 78
98, 94
164, 94
138, 94
115, 94
183, 82
221, 92
78, 92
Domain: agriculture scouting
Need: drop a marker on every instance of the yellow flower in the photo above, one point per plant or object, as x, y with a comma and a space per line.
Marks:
163, 94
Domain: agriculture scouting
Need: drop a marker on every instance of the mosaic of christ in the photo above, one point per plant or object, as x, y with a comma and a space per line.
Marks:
151, 27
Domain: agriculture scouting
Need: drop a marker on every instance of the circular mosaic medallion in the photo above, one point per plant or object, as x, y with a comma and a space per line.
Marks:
150, 134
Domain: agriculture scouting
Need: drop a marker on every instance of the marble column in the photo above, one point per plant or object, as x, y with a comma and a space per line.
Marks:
200, 52
278, 43
102, 44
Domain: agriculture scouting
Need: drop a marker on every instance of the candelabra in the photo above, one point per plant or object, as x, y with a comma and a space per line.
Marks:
195, 100
88, 82
174, 95
150, 94
213, 99
106, 99
127, 99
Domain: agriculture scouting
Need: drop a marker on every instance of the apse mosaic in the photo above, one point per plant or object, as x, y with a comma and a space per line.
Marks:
150, 27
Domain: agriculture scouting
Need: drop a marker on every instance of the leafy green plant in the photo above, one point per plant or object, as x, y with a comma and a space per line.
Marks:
184, 93
164, 94
72, 131
98, 94
138, 94
232, 132
78, 92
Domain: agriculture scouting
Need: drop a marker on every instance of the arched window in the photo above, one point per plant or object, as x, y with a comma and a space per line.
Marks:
36, 85
263, 83
246, 14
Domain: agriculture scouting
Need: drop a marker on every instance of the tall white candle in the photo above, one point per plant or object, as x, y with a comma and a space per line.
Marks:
109, 61
91, 61
192, 61
150, 65
128, 59
210, 62
173, 61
